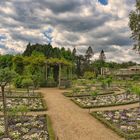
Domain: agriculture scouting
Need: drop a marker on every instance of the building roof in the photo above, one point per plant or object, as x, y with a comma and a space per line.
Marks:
135, 67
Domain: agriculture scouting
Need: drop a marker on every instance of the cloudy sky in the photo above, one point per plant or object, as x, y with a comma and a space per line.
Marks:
102, 24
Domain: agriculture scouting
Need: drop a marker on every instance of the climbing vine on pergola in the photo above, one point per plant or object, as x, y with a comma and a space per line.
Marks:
59, 65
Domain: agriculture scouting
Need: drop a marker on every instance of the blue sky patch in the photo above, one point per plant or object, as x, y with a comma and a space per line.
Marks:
48, 35
104, 2
2, 37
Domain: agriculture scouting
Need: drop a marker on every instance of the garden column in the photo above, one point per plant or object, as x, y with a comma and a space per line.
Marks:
46, 71
59, 75
70, 73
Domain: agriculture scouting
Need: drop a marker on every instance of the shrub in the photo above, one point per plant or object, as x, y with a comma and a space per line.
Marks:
75, 90
94, 94
103, 84
36, 80
109, 81
26, 83
136, 78
18, 81
89, 75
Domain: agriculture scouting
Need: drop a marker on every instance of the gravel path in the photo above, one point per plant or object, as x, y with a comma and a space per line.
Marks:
70, 122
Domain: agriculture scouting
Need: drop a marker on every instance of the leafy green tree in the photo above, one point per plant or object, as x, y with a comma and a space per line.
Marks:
18, 64
134, 25
26, 83
48, 51
6, 76
6, 61
36, 80
34, 65
18, 81
74, 51
79, 65
89, 54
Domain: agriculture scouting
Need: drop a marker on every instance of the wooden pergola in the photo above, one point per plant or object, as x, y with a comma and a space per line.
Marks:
60, 63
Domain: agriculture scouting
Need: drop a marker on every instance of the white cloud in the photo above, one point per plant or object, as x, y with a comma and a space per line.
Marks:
75, 23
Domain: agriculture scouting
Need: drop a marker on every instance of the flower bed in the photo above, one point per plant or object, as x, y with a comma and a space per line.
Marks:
23, 94
84, 93
80, 94
28, 128
34, 104
105, 100
125, 122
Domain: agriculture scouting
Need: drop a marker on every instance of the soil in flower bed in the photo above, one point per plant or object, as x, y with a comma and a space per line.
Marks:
26, 128
125, 122
34, 104
105, 100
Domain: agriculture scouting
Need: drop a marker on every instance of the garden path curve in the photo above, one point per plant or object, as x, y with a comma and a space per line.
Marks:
70, 122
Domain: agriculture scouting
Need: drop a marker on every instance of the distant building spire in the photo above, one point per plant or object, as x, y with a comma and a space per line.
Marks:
102, 56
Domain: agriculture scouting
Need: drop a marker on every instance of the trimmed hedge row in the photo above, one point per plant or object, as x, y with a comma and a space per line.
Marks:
114, 128
110, 105
49, 128
68, 94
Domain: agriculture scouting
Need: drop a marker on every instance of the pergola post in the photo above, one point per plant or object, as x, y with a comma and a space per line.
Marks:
70, 73
46, 72
59, 75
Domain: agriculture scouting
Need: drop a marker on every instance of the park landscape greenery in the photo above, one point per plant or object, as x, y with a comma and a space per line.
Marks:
22, 74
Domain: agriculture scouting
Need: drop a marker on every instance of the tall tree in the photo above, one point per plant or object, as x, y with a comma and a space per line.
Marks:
134, 24
18, 64
79, 63
49, 51
74, 51
89, 54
